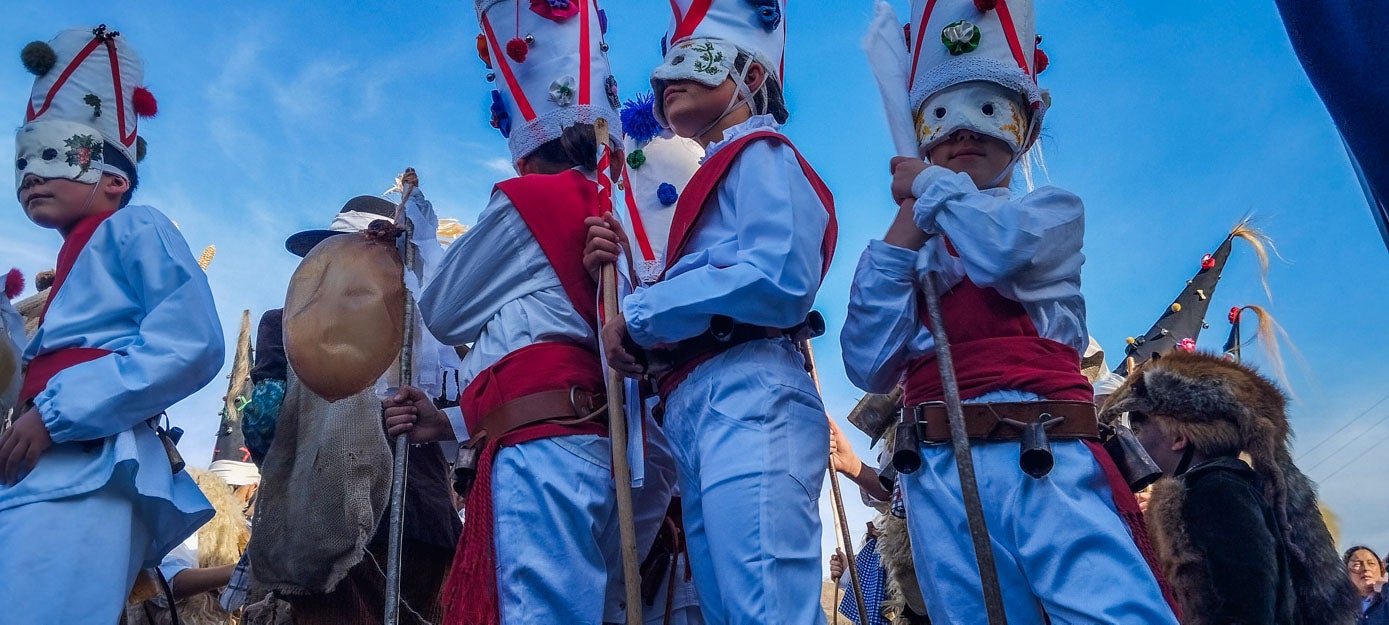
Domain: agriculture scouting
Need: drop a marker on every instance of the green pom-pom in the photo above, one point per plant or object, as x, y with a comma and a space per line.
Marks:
38, 57
139, 149
636, 159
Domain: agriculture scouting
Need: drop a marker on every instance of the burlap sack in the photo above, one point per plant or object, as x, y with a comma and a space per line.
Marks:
324, 487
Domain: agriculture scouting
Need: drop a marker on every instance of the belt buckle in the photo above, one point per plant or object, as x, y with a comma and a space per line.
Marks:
582, 401
919, 413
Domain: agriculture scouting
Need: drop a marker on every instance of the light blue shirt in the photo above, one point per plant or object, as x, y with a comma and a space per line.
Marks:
755, 254
1028, 249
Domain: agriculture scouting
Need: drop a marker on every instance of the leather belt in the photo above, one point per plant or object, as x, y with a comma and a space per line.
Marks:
560, 406
991, 421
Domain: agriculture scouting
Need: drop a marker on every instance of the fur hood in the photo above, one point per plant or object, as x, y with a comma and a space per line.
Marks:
1222, 406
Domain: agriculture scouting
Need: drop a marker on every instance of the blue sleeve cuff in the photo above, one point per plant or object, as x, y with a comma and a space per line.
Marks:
896, 263
638, 322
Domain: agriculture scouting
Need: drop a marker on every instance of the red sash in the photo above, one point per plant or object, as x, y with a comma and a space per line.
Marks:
995, 346
706, 180
44, 366
695, 198
553, 208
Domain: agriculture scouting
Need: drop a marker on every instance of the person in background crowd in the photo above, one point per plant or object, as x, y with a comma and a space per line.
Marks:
1366, 572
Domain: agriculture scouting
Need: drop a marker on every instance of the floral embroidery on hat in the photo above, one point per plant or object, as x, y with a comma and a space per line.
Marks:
83, 150
562, 91
960, 37
93, 101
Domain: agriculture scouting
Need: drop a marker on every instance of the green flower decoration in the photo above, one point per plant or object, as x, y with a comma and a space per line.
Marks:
960, 37
709, 59
636, 159
83, 150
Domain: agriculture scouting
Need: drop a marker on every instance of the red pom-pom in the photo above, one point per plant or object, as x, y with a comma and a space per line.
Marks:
985, 6
14, 284
1039, 62
145, 104
1234, 315
517, 49
1207, 262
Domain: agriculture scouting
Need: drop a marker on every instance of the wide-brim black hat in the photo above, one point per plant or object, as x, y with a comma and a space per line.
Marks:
355, 216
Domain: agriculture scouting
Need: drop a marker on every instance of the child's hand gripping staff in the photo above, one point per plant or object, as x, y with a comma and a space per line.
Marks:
887, 56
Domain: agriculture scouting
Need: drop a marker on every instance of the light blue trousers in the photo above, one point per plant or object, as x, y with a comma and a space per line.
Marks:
558, 548
751, 439
1058, 542
71, 560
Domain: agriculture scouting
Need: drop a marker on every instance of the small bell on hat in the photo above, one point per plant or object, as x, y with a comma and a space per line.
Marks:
980, 75
84, 108
705, 38
539, 49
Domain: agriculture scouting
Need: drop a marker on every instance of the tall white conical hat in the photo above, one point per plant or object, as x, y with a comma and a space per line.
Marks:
973, 65
549, 61
92, 78
659, 165
704, 38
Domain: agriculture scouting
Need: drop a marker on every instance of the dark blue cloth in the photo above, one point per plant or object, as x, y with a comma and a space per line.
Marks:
874, 580
1342, 45
1377, 613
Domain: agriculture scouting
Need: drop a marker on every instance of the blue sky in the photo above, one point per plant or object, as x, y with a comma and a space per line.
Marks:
1171, 120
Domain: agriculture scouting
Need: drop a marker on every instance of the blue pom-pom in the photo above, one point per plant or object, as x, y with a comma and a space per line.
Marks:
500, 119
637, 119
667, 194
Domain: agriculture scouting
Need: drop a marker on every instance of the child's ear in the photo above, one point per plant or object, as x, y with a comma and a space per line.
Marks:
115, 185
755, 75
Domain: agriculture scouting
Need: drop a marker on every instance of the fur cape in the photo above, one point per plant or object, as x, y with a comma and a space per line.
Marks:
1224, 407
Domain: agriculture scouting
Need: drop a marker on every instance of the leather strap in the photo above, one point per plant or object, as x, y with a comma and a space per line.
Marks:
563, 407
986, 421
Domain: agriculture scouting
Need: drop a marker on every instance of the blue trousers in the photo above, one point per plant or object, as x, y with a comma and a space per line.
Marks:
71, 560
751, 439
1058, 542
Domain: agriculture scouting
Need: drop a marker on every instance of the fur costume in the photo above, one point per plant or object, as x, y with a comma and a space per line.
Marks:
1222, 408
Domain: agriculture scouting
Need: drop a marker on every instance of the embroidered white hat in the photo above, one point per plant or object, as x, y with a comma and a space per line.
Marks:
549, 61
973, 65
704, 37
659, 165
90, 77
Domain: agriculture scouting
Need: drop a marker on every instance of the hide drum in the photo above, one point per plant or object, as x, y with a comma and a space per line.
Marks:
344, 315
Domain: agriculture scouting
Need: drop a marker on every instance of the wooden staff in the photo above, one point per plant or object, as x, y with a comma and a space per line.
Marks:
402, 441
841, 519
617, 414
964, 459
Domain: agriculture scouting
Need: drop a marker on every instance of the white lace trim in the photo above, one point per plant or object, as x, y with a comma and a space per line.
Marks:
649, 271
527, 138
742, 129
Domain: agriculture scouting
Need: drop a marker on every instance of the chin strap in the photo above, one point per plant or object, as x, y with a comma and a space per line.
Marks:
1185, 462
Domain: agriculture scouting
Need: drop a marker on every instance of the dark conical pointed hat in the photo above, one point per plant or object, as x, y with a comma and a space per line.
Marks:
1181, 324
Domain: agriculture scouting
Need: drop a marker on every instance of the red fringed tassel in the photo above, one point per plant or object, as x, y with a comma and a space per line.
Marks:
14, 284
1132, 515
470, 595
145, 104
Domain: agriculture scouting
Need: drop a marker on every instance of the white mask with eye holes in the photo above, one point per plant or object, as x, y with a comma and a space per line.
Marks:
58, 149
978, 106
